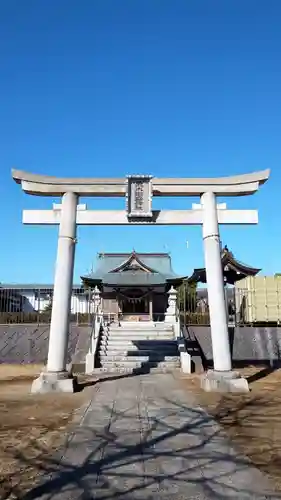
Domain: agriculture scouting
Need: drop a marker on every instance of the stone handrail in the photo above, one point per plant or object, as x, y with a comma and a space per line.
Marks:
185, 358
94, 341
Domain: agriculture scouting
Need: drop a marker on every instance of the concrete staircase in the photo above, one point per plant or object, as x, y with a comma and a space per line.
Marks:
138, 347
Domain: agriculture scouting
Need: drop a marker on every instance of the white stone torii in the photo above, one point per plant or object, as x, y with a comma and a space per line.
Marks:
69, 214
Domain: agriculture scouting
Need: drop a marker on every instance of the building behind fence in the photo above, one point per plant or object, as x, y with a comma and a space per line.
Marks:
253, 300
258, 299
33, 304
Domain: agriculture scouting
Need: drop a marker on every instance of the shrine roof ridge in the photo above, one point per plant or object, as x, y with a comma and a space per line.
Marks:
141, 254
44, 185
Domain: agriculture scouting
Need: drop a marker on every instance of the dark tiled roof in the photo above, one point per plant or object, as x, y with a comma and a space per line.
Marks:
234, 270
134, 279
158, 265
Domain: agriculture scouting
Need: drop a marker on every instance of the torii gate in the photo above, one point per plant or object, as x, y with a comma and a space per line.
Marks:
139, 191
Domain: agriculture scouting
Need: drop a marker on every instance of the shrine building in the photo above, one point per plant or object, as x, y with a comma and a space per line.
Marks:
233, 270
134, 285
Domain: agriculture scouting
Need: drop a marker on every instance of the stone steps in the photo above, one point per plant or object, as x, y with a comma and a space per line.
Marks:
141, 352
142, 337
130, 365
142, 348
140, 326
146, 344
145, 368
128, 359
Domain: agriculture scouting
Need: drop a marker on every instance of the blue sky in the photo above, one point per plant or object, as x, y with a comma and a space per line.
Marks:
107, 88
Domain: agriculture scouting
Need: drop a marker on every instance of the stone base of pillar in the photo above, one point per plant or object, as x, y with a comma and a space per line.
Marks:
89, 363
54, 382
214, 381
170, 318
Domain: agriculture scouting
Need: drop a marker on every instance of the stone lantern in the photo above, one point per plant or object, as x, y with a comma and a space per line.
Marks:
96, 297
170, 315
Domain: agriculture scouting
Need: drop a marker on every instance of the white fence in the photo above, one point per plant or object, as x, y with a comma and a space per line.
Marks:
34, 304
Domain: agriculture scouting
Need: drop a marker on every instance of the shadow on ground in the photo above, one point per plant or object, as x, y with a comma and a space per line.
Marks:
175, 450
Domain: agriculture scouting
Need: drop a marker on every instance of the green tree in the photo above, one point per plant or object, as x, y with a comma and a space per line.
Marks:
187, 296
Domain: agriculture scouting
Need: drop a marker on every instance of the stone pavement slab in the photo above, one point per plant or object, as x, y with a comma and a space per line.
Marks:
143, 437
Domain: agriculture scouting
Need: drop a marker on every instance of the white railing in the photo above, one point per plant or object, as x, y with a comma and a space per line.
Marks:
97, 327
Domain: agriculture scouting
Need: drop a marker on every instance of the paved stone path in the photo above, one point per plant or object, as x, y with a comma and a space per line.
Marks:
142, 437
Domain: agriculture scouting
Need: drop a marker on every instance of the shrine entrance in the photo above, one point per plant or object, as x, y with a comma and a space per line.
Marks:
134, 304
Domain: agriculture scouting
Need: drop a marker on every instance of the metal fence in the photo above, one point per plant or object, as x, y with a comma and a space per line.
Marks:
243, 307
34, 305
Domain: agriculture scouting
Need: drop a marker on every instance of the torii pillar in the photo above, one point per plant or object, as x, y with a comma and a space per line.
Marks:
139, 190
222, 378
56, 377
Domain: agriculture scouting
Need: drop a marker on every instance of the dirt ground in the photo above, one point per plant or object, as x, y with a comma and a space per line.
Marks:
31, 427
253, 420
